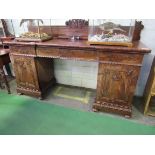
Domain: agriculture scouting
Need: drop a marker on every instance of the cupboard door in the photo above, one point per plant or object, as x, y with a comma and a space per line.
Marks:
26, 74
117, 82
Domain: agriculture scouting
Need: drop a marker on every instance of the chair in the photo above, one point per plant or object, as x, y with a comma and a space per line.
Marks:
4, 60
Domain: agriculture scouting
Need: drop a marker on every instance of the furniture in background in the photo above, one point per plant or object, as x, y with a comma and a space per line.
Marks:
118, 71
5, 35
149, 93
4, 60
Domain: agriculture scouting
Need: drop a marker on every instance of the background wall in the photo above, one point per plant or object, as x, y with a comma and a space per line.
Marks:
84, 74
77, 73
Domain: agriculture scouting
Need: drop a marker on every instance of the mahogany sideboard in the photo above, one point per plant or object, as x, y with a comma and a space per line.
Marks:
118, 69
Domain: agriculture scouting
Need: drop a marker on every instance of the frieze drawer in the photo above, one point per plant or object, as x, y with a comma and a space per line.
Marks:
25, 50
48, 52
120, 58
65, 53
79, 54
86, 54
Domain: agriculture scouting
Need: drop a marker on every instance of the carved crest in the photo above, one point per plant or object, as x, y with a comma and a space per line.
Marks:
77, 23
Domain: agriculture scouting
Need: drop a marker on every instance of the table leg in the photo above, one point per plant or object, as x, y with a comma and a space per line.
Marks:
8, 69
3, 77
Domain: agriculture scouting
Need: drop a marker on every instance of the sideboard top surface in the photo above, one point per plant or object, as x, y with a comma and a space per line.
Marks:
138, 47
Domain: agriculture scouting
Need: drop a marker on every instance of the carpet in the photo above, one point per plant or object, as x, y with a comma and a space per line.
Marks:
22, 115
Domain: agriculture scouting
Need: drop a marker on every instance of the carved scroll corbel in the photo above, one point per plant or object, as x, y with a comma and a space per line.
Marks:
137, 31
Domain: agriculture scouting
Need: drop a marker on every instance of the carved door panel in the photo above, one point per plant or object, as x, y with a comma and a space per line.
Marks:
26, 74
117, 82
